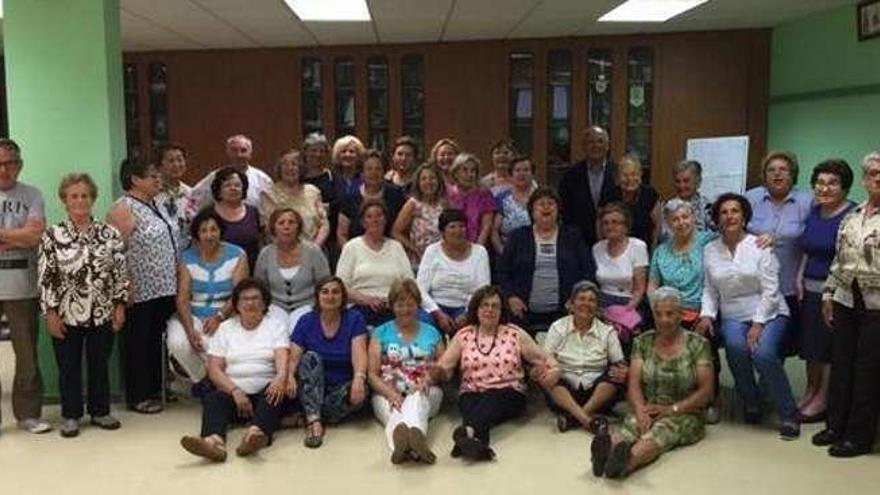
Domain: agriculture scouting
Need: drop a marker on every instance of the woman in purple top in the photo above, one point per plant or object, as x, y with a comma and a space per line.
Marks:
328, 360
475, 201
831, 181
241, 221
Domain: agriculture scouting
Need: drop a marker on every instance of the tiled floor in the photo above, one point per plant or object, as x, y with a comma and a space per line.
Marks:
144, 457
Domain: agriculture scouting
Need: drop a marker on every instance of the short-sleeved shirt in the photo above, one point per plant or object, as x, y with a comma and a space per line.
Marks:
819, 241
249, 354
211, 285
615, 274
245, 233
404, 363
683, 271
474, 204
18, 267
667, 381
490, 363
335, 352
513, 213
583, 358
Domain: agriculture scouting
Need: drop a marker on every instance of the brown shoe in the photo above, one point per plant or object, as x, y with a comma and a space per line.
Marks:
251, 443
400, 438
200, 447
419, 445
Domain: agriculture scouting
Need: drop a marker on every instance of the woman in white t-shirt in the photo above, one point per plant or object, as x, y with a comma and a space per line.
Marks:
621, 261
247, 362
451, 271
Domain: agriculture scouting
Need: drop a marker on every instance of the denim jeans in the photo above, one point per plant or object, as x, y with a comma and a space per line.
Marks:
767, 358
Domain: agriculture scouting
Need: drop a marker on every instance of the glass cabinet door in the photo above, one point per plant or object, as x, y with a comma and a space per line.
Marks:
639, 105
377, 102
345, 109
599, 83
158, 92
311, 96
412, 83
132, 114
559, 77
520, 108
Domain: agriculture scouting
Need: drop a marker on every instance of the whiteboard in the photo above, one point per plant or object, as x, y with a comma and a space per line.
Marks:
725, 162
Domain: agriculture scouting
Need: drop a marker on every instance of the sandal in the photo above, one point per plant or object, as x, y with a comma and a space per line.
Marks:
618, 461
401, 439
562, 425
251, 443
314, 440
148, 406
600, 449
418, 445
200, 447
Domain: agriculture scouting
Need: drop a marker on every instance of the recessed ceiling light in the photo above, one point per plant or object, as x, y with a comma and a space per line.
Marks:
330, 10
649, 10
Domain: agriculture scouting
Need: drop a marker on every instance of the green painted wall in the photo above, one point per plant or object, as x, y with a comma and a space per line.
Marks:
65, 105
824, 91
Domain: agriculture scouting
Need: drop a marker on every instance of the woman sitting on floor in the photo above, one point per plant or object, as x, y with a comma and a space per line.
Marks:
591, 364
247, 362
399, 354
670, 382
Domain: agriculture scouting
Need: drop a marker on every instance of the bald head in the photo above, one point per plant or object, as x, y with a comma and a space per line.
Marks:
240, 150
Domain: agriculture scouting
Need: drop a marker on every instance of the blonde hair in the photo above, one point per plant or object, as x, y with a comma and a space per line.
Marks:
345, 142
76, 178
404, 287
439, 144
629, 161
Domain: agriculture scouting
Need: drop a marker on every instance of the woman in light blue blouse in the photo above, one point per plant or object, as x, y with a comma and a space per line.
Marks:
513, 211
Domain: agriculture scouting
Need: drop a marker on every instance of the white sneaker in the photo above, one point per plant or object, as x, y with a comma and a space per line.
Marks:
35, 425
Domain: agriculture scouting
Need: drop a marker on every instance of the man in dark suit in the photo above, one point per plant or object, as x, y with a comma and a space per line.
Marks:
588, 185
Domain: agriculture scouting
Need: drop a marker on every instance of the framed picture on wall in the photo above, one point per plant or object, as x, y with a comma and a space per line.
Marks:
868, 18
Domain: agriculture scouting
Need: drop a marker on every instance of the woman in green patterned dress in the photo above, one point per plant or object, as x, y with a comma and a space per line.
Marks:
670, 382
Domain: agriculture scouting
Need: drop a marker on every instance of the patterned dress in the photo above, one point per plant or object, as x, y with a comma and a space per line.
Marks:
665, 382
424, 229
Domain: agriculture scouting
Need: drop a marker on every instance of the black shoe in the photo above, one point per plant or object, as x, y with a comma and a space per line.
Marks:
826, 437
598, 425
847, 449
789, 431
618, 461
812, 418
600, 449
752, 417
469, 447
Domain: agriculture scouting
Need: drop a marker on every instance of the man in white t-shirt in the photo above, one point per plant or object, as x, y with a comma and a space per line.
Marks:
240, 151
22, 221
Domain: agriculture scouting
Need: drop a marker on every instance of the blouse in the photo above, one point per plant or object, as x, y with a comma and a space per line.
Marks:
474, 204
443, 280
744, 286
404, 363
615, 274
82, 273
818, 242
858, 258
583, 358
513, 213
249, 354
683, 271
211, 285
298, 290
424, 229
667, 381
307, 203
372, 272
336, 351
152, 251
245, 233
491, 363
181, 205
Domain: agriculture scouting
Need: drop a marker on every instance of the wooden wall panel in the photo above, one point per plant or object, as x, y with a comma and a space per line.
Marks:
706, 84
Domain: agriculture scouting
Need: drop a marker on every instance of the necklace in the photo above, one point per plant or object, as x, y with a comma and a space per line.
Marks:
477, 342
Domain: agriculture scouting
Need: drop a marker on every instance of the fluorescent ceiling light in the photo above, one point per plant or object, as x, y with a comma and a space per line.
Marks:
649, 10
330, 10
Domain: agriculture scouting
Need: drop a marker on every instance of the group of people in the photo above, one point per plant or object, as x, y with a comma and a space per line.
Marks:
345, 280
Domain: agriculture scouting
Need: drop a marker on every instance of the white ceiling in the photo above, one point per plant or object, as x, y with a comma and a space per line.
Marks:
210, 24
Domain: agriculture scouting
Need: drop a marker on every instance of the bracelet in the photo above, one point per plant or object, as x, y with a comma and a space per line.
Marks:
361, 375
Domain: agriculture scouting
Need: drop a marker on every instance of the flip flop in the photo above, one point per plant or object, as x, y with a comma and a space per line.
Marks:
200, 447
312, 440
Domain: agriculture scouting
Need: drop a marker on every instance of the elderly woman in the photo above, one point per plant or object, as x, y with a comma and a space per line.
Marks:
176, 196
247, 362
83, 283
781, 211
475, 201
416, 224
541, 263
241, 221
400, 352
290, 267
640, 199
678, 263
687, 175
742, 283
591, 362
328, 360
513, 201
370, 263
451, 271
206, 275
151, 255
499, 179
850, 306
492, 355
347, 157
831, 181
670, 381
442, 156
373, 186
621, 260
316, 167
289, 192
403, 161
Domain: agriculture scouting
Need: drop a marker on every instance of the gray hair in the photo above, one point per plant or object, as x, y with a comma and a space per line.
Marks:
583, 286
315, 139
294, 155
872, 157
688, 165
675, 204
461, 159
665, 293
242, 138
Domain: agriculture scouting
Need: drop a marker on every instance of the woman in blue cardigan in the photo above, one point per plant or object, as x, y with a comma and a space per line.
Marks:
541, 263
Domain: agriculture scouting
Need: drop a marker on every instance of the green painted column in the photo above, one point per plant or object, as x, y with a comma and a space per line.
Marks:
63, 63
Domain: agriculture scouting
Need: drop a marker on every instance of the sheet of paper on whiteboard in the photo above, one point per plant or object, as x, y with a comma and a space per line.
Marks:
725, 162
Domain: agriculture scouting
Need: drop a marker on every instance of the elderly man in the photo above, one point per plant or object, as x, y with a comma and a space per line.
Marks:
240, 150
588, 185
21, 225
